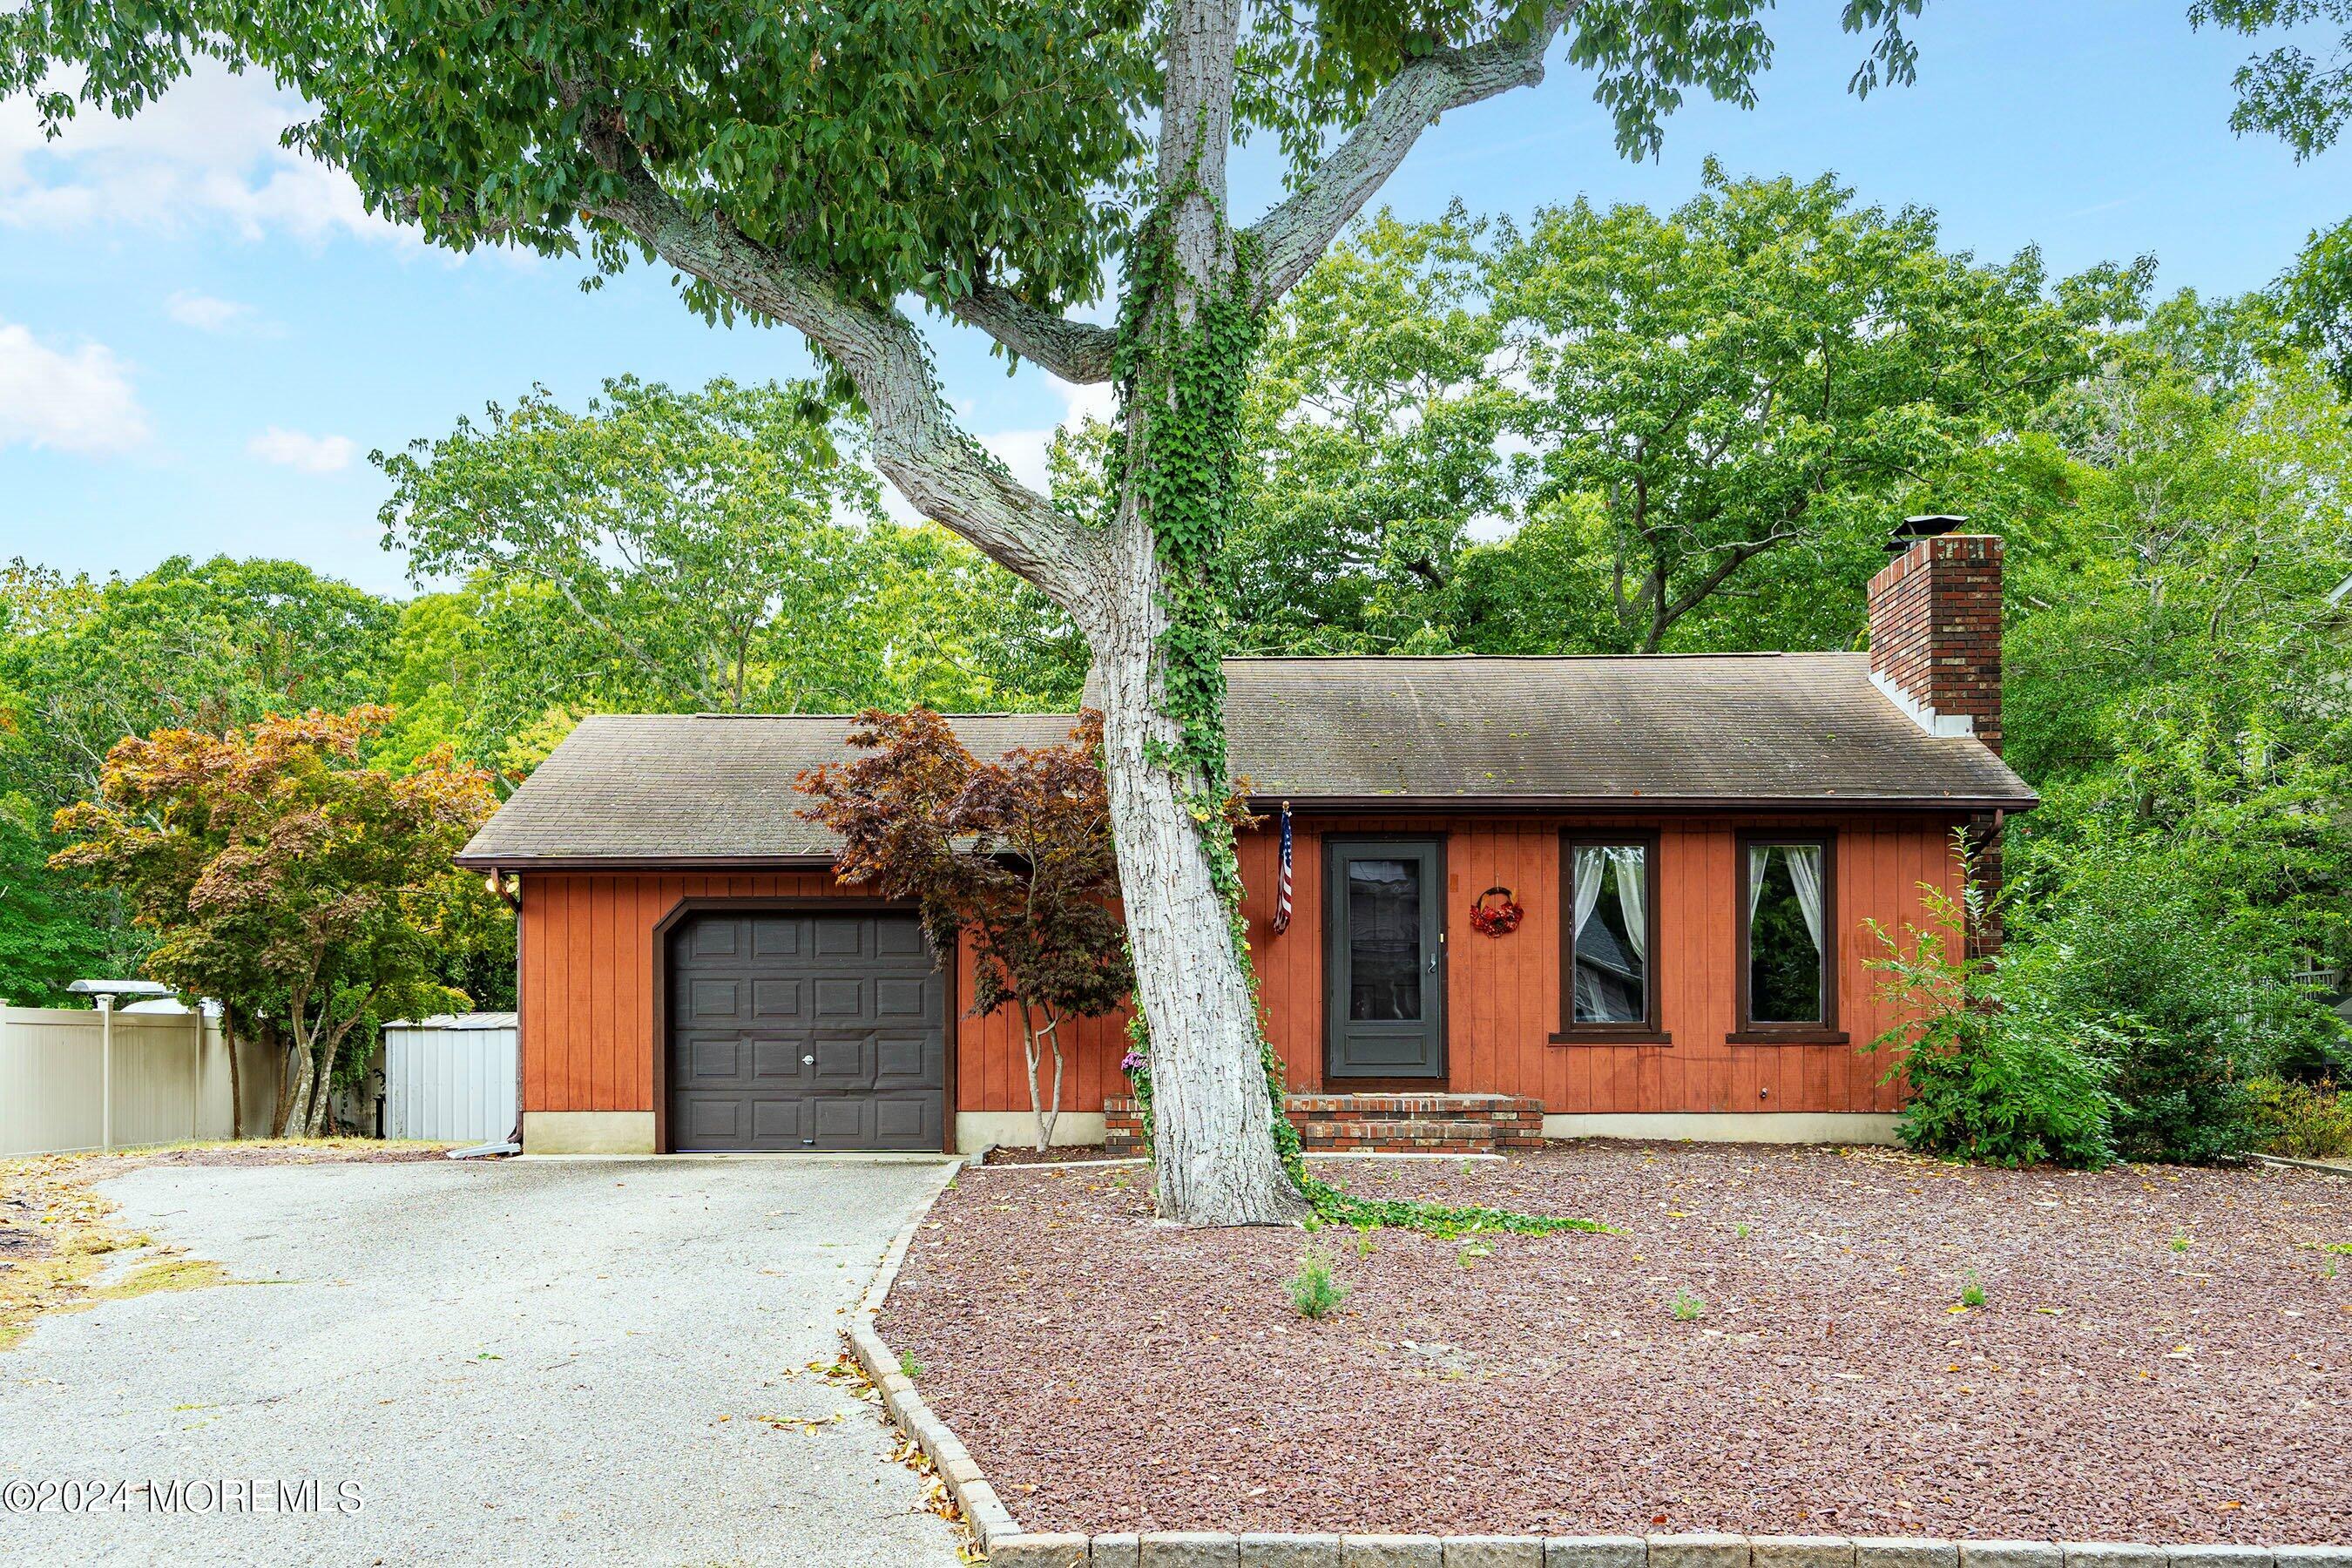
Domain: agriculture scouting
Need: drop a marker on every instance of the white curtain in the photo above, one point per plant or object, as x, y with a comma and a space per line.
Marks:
1805, 870
1805, 863
1633, 897
1588, 866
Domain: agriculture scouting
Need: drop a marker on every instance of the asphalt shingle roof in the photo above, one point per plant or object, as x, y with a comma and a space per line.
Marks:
1803, 729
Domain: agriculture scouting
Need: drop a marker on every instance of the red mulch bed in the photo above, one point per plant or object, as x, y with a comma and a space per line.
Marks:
1113, 1374
1059, 1155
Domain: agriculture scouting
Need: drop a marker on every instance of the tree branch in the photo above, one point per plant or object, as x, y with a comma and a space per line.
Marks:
948, 476
1078, 352
1294, 235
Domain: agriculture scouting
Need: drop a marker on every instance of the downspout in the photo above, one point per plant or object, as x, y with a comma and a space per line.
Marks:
508, 890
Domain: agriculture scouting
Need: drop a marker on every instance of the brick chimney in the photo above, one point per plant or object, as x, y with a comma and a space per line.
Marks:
1934, 627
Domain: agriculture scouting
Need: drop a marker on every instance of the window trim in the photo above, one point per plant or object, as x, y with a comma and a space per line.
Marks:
1648, 1030
1748, 1031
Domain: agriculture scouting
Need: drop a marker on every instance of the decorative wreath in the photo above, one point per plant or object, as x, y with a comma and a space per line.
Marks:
1496, 919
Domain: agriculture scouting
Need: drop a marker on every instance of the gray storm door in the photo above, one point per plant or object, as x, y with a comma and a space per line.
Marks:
1384, 962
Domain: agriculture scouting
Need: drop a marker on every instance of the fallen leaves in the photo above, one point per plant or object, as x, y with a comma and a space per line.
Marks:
797, 1423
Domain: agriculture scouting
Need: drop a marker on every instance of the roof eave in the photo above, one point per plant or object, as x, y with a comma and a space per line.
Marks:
470, 859
1637, 806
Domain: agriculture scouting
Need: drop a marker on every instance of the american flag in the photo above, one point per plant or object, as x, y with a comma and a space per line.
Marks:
1282, 892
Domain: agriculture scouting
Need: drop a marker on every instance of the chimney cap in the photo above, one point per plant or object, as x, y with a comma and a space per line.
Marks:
1927, 525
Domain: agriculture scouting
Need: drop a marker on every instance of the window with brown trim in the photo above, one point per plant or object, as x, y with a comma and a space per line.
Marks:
1609, 943
1787, 956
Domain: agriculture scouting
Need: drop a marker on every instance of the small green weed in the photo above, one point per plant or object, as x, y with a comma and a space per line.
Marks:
1364, 1234
909, 1367
1972, 1291
1742, 1232
1313, 1291
1687, 1304
1473, 1251
2178, 1243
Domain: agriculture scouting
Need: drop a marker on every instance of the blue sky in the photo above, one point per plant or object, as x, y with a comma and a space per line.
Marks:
203, 336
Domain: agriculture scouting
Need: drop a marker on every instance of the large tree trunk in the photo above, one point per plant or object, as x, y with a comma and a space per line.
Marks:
1212, 1120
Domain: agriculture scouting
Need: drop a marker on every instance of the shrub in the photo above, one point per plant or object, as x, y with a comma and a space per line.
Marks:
1313, 1291
2198, 980
1997, 1072
2301, 1120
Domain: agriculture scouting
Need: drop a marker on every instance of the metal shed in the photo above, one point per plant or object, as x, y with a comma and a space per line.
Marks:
450, 1078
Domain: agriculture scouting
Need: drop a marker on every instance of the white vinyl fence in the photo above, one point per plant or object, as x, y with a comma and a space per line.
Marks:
170, 1079
450, 1079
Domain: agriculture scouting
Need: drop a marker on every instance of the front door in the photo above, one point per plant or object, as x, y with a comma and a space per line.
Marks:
1384, 968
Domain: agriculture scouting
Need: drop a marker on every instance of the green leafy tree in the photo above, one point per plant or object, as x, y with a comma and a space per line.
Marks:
1373, 420
184, 646
691, 539
1752, 381
1011, 856
307, 893
2176, 667
825, 167
52, 932
714, 550
1698, 422
84, 663
2286, 90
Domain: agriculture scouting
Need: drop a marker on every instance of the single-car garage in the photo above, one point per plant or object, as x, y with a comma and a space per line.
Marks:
793, 1029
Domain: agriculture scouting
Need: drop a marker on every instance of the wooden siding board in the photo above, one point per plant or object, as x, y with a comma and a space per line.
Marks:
588, 1008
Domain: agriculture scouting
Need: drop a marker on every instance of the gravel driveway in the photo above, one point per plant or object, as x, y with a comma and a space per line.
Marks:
538, 1360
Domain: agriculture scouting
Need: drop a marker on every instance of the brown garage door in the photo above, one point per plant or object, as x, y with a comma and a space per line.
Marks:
805, 1031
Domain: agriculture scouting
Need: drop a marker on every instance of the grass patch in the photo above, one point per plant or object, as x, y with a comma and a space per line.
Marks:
56, 1232
165, 1274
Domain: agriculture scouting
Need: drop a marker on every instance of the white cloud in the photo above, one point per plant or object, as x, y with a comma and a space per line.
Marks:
1024, 451
75, 402
207, 151
296, 449
206, 313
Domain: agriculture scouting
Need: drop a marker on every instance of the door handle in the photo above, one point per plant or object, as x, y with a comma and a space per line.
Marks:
809, 1060
1433, 963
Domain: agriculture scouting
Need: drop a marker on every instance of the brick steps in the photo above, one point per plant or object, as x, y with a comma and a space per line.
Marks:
1377, 1123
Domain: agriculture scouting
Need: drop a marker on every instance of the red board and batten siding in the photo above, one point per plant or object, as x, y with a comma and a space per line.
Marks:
588, 1003
587, 971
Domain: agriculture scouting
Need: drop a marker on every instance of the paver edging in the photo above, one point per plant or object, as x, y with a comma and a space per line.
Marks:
1010, 1546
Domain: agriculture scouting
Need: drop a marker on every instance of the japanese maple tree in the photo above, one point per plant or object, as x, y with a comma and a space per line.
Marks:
305, 891
1013, 855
